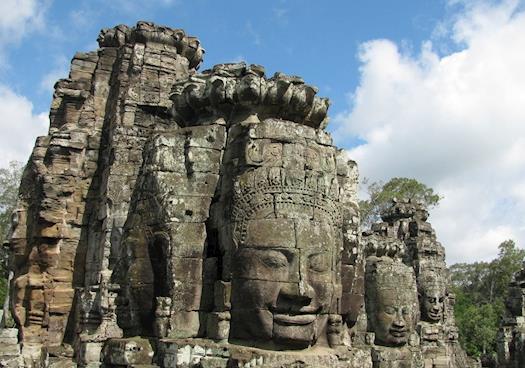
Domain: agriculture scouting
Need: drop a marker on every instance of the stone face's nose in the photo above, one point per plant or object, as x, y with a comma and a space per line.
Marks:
295, 295
306, 290
399, 321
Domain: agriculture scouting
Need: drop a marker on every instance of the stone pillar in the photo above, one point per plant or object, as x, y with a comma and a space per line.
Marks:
511, 335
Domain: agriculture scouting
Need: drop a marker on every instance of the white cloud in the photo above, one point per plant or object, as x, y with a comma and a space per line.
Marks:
19, 17
60, 70
239, 59
456, 122
19, 126
280, 15
250, 30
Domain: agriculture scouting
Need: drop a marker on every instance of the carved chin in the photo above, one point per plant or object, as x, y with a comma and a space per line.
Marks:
396, 341
399, 338
298, 331
394, 338
433, 317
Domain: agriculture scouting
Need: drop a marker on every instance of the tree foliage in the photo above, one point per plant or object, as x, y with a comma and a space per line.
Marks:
381, 194
478, 326
9, 182
481, 289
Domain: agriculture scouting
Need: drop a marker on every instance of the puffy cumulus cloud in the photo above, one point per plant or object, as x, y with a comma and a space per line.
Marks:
19, 126
17, 17
60, 70
455, 122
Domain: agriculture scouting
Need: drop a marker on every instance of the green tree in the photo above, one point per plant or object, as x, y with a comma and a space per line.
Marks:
470, 277
509, 261
477, 326
481, 290
9, 182
381, 194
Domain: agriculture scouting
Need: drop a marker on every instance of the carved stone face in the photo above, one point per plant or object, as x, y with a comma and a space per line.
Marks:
391, 300
394, 318
283, 286
432, 305
249, 88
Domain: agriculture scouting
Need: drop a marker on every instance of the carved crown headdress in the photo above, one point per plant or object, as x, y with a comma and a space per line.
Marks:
277, 192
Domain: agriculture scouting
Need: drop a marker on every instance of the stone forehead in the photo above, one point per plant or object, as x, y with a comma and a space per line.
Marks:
289, 233
385, 274
265, 190
397, 296
431, 281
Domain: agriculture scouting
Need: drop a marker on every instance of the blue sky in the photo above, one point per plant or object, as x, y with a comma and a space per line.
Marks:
429, 89
318, 40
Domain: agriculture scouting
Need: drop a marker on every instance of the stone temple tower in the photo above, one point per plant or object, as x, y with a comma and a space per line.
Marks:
172, 218
511, 336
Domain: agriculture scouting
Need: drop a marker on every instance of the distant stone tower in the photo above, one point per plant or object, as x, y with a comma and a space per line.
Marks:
406, 236
511, 336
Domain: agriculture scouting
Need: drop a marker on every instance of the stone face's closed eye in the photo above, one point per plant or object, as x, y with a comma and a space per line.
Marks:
274, 259
390, 310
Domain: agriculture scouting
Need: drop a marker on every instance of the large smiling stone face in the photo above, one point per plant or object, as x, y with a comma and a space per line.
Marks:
284, 282
283, 238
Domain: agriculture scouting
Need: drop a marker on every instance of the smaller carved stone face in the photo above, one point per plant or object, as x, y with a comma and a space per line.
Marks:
391, 300
432, 305
394, 318
249, 88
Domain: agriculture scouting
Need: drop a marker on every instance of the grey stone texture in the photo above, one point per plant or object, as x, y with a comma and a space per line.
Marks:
172, 218
511, 336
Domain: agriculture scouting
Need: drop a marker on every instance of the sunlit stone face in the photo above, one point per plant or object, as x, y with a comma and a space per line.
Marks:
283, 286
432, 305
394, 319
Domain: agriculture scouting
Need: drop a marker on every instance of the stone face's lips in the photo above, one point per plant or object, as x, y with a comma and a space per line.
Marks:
297, 319
434, 316
398, 333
